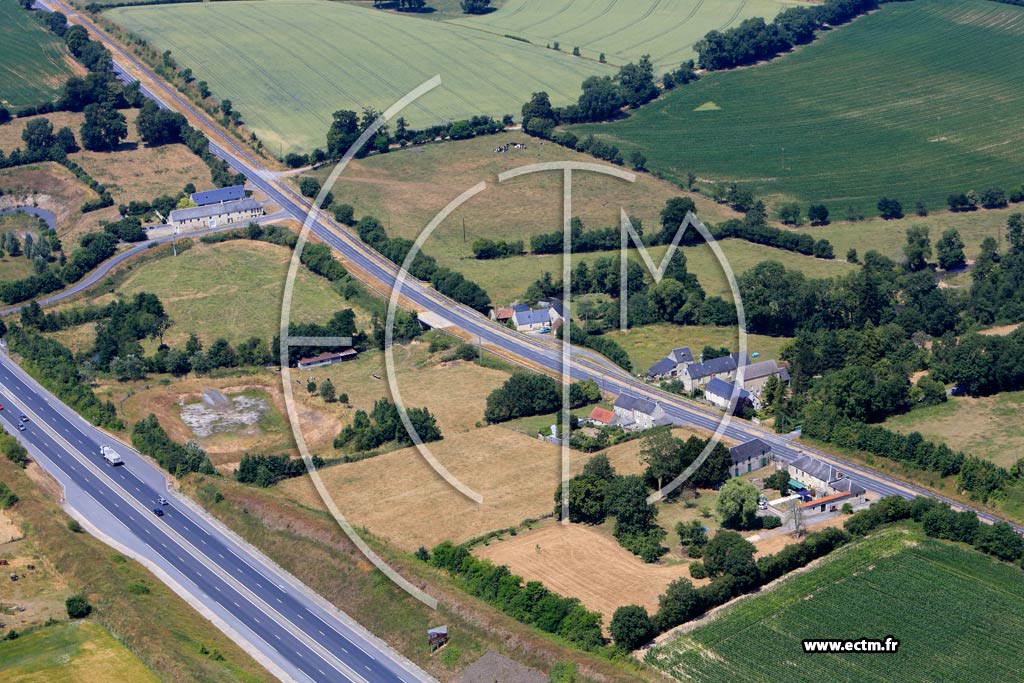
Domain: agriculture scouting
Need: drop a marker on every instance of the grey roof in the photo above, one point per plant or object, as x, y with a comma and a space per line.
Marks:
816, 468
662, 367
212, 210
715, 366
221, 194
532, 317
751, 449
552, 302
516, 308
636, 403
765, 368
681, 355
723, 389
848, 485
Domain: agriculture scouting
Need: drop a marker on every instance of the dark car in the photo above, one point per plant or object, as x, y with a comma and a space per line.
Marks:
158, 512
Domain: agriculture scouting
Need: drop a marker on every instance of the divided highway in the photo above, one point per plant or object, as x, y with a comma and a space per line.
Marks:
296, 634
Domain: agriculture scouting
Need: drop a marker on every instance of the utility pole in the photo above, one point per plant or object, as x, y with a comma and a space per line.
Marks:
463, 229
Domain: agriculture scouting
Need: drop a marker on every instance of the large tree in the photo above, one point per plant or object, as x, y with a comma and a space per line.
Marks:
38, 135
475, 6
737, 503
103, 128
631, 627
949, 250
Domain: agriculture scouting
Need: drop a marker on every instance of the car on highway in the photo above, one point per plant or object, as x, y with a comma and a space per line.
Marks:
1, 406
158, 512
21, 427
24, 418
162, 500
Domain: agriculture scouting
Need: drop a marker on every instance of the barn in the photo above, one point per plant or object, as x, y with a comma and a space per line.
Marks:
212, 215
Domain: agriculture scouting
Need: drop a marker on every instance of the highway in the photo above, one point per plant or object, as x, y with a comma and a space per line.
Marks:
302, 636
380, 274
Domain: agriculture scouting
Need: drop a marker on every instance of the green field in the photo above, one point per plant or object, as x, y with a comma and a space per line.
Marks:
623, 29
914, 101
33, 62
958, 614
507, 279
988, 427
288, 66
231, 290
650, 343
76, 652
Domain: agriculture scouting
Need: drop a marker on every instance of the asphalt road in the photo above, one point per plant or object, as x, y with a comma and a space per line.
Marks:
104, 268
303, 636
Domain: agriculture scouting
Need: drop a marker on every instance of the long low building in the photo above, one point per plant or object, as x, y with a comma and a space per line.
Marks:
212, 215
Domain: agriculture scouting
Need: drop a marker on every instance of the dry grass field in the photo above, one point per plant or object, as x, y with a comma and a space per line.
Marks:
988, 427
399, 497
566, 560
41, 591
74, 652
52, 187
406, 189
132, 171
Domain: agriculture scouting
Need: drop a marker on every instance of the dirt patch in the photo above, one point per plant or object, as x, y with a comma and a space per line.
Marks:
37, 595
769, 545
1000, 331
9, 531
565, 559
218, 414
500, 669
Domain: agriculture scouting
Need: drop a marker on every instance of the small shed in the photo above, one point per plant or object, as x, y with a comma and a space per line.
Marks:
437, 637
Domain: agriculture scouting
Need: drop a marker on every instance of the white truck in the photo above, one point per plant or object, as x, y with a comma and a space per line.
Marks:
110, 456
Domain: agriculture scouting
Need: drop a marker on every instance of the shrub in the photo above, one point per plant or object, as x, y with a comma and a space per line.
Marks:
631, 627
78, 606
697, 570
770, 522
74, 527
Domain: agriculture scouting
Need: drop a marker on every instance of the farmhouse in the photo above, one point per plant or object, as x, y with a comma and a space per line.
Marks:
601, 416
212, 215
634, 413
671, 365
756, 374
549, 314
329, 358
719, 392
218, 196
696, 375
749, 456
823, 479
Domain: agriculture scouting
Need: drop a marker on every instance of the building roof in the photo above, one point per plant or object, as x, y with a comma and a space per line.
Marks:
827, 499
715, 366
517, 308
636, 403
532, 317
211, 210
681, 355
848, 485
816, 468
221, 194
722, 389
765, 368
751, 449
555, 303
602, 415
662, 367
329, 355
503, 313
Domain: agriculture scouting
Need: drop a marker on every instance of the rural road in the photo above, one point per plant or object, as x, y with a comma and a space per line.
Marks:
296, 634
104, 268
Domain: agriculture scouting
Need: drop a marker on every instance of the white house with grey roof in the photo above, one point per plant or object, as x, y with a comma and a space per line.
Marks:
671, 365
218, 195
634, 413
756, 375
697, 375
213, 215
822, 478
749, 456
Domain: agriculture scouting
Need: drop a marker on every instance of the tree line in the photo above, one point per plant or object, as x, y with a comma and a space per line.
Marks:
528, 602
525, 394
149, 438
266, 470
447, 281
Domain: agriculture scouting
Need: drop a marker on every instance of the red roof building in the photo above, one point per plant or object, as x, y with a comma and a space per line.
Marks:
602, 416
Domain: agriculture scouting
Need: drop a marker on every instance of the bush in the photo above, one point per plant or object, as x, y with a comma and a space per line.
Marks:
697, 570
7, 497
770, 522
74, 527
78, 606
